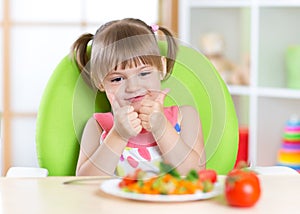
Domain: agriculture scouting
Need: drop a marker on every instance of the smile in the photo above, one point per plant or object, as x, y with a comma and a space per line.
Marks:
136, 99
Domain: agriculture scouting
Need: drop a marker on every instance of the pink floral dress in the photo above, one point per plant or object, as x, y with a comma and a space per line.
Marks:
141, 151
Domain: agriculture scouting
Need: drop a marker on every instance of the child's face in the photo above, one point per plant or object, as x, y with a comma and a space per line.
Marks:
130, 85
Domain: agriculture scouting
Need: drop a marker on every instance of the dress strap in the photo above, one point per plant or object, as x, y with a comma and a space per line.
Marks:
105, 120
172, 114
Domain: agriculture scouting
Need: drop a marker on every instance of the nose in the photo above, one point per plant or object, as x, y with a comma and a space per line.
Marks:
132, 84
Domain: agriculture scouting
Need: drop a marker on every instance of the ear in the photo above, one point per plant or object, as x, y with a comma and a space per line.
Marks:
164, 68
101, 88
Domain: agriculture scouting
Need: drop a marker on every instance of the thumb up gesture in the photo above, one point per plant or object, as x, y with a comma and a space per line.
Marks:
151, 112
126, 121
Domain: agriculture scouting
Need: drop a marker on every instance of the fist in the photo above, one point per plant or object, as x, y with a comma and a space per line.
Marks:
126, 120
152, 111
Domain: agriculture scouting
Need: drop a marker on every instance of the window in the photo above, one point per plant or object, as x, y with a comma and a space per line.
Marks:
39, 35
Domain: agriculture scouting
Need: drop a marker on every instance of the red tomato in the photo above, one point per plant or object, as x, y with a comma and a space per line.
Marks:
127, 180
242, 188
130, 178
207, 175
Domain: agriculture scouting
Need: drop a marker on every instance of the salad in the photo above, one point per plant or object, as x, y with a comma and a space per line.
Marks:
169, 182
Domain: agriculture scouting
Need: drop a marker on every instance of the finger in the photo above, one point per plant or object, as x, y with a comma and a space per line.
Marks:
113, 101
144, 117
138, 129
146, 109
149, 95
132, 114
147, 102
146, 126
135, 123
161, 96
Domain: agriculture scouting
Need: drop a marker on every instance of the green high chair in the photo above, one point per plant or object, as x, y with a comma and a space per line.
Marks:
68, 102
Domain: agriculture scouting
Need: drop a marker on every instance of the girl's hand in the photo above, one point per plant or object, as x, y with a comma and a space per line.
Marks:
126, 120
152, 112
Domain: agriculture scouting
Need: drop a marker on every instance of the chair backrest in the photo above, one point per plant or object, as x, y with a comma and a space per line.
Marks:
68, 103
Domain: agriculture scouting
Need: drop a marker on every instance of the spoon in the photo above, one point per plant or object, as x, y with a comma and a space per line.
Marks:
79, 180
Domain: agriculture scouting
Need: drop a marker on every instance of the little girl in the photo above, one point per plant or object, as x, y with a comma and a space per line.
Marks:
140, 132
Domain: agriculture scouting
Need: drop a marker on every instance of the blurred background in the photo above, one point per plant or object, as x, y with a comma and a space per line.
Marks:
34, 36
255, 45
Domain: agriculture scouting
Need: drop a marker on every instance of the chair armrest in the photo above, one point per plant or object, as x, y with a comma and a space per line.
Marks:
27, 172
274, 170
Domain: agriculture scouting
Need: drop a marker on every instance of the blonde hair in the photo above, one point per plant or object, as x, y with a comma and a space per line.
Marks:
126, 42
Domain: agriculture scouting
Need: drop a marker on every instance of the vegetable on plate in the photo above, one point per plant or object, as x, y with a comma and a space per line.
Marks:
169, 182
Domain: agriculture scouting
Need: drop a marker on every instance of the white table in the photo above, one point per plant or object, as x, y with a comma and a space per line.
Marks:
280, 194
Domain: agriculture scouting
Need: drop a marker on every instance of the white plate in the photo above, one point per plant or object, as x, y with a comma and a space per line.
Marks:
111, 187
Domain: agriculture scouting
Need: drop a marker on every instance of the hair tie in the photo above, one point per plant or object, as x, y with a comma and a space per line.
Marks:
154, 28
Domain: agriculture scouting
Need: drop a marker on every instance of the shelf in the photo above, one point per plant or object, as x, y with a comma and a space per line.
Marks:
261, 30
220, 3
279, 93
265, 92
239, 90
276, 32
243, 3
278, 3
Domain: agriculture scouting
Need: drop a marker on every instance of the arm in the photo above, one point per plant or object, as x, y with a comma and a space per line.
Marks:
96, 159
102, 159
184, 150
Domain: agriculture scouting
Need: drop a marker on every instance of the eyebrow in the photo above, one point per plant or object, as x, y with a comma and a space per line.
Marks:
133, 68
145, 66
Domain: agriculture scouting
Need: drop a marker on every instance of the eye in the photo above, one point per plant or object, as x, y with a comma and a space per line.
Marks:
144, 73
117, 79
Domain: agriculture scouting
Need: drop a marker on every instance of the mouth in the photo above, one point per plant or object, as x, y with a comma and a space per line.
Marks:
136, 99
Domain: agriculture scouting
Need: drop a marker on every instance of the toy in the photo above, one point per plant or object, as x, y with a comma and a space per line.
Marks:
289, 153
213, 46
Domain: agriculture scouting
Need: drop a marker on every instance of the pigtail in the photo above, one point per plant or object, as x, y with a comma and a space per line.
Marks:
172, 48
81, 55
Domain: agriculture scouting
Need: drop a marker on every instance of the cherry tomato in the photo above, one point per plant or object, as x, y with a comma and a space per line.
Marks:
207, 175
130, 178
242, 188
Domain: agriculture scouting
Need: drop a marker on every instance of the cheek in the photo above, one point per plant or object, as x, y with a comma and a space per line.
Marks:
153, 84
113, 89
114, 93
116, 97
